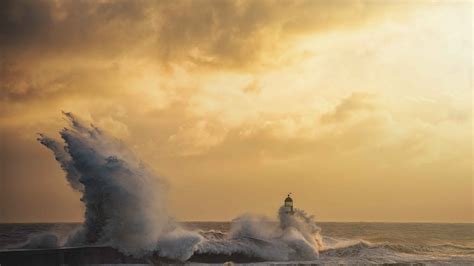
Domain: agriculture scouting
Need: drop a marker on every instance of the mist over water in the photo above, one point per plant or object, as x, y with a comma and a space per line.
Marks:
125, 208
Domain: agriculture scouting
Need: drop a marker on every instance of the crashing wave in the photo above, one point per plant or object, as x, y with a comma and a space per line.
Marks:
293, 238
123, 198
250, 238
125, 208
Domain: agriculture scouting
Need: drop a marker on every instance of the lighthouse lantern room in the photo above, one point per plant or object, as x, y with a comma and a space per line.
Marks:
289, 205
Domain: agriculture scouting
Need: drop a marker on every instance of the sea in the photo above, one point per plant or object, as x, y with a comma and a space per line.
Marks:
343, 243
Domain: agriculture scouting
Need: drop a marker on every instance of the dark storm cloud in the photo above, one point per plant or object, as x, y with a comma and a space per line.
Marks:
237, 34
62, 25
39, 40
23, 21
210, 32
42, 41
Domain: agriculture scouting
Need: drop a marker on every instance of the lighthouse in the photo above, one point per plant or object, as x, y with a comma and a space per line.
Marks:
289, 205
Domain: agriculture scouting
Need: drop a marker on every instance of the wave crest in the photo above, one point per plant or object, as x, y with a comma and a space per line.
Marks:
123, 198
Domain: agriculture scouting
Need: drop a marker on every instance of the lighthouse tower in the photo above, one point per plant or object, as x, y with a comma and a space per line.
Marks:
289, 205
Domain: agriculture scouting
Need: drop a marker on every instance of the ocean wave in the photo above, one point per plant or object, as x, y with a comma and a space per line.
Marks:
456, 247
214, 246
125, 208
125, 203
40, 240
251, 238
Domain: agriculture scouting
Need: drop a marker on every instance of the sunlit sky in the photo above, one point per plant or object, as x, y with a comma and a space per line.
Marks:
363, 110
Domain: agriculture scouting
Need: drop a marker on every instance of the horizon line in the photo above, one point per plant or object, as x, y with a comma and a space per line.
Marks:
228, 221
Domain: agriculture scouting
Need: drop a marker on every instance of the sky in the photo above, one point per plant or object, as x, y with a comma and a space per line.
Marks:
361, 109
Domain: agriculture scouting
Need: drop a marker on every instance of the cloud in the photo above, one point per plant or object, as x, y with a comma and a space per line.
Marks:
243, 94
198, 152
356, 102
55, 50
233, 34
252, 87
68, 26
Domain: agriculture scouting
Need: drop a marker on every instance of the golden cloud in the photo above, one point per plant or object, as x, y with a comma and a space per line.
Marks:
343, 96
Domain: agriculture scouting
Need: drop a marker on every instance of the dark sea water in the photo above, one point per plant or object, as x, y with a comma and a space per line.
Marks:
343, 243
